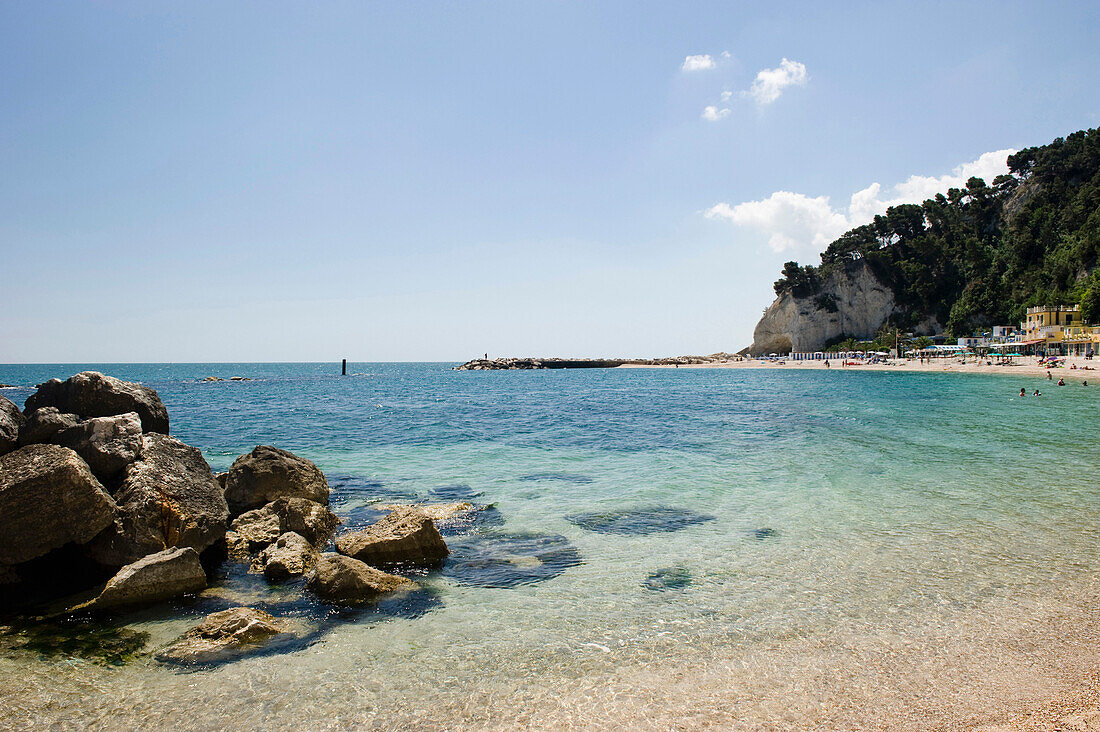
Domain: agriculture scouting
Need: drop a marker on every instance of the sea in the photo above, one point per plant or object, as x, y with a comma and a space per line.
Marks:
654, 549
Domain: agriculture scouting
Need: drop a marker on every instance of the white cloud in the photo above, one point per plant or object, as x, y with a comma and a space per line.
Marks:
869, 202
713, 114
725, 54
790, 219
796, 221
726, 96
770, 83
701, 62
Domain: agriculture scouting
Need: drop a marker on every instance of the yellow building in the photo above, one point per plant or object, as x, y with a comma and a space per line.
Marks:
1059, 329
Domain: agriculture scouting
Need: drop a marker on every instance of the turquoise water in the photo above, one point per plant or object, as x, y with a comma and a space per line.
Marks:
743, 548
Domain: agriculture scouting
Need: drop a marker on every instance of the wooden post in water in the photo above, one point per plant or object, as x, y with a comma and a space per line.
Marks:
344, 368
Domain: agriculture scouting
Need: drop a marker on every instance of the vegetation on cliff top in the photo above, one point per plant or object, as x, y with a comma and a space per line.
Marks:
982, 255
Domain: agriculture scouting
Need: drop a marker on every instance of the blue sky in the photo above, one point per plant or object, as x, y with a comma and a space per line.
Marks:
433, 181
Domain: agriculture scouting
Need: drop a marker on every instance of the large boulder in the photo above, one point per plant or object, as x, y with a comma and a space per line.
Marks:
157, 577
169, 498
342, 580
107, 444
223, 635
48, 498
290, 556
253, 530
45, 425
310, 519
406, 536
11, 420
268, 473
91, 394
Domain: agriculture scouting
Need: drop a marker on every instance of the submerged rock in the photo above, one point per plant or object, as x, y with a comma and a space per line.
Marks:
268, 473
11, 420
157, 577
438, 512
290, 556
406, 536
223, 635
509, 560
91, 394
341, 580
48, 498
169, 498
639, 521
668, 578
45, 424
107, 444
81, 636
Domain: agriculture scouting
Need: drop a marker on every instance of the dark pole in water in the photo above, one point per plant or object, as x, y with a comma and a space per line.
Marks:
344, 368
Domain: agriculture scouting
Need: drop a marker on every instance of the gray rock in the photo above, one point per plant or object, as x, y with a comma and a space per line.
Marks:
107, 444
11, 420
44, 425
310, 519
169, 498
155, 578
290, 556
223, 635
342, 580
268, 473
406, 536
48, 498
91, 394
253, 530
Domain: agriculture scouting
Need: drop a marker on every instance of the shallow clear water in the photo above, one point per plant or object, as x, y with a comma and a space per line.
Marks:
669, 548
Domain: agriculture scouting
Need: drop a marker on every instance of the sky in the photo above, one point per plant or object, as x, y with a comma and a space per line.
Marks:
270, 181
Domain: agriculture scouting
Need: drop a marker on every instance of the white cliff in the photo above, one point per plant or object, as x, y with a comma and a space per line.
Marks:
852, 302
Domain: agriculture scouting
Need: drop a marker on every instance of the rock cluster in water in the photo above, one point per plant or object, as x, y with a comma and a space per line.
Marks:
97, 500
530, 364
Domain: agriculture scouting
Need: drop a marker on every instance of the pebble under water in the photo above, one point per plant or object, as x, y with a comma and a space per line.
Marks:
651, 549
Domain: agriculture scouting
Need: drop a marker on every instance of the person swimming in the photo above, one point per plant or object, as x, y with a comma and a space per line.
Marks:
1023, 391
1037, 393
1061, 382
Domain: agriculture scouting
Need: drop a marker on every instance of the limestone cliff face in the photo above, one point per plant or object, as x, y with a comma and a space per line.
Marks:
852, 303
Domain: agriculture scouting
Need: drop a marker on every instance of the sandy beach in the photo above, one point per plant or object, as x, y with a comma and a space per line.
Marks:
1077, 368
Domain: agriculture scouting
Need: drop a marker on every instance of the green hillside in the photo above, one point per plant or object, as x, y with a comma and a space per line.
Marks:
980, 256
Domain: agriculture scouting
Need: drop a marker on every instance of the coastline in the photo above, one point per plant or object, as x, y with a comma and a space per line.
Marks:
1025, 367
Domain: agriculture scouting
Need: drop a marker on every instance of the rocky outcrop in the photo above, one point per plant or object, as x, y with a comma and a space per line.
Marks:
107, 444
48, 498
852, 303
157, 577
11, 420
45, 424
268, 473
342, 580
253, 530
535, 364
310, 519
91, 394
406, 536
290, 556
169, 498
222, 635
